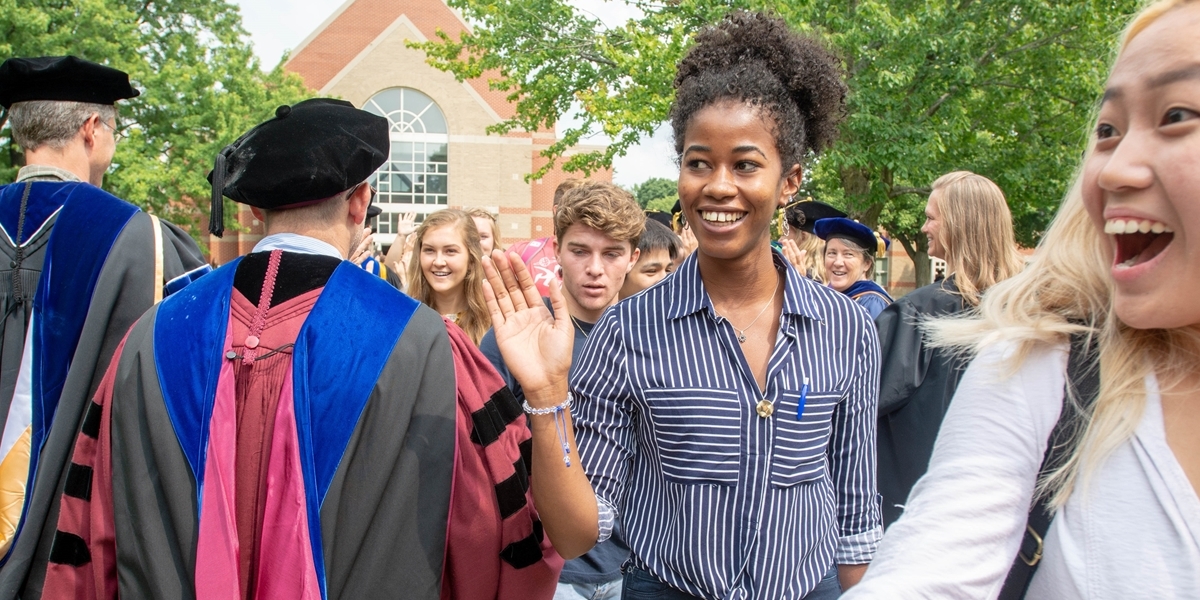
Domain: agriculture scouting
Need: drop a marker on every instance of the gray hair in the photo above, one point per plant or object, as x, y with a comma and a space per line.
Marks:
868, 257
53, 123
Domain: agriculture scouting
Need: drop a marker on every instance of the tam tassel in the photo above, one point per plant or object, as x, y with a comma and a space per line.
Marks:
216, 215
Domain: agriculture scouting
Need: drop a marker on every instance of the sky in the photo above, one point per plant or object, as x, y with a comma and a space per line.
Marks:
277, 26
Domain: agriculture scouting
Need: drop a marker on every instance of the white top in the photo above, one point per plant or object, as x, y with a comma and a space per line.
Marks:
1133, 532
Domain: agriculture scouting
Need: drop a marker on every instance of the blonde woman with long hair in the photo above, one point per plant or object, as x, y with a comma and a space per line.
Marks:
489, 229
970, 227
1120, 263
446, 271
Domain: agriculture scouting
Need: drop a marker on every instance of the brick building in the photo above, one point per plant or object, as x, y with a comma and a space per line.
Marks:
441, 154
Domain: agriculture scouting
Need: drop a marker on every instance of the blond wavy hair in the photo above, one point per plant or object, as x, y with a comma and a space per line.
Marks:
1067, 289
475, 320
603, 207
480, 213
976, 233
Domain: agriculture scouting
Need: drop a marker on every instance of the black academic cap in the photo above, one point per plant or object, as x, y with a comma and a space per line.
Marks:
840, 227
64, 78
310, 151
802, 214
660, 216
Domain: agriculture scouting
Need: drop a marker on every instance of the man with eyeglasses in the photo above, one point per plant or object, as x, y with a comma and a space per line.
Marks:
79, 266
313, 433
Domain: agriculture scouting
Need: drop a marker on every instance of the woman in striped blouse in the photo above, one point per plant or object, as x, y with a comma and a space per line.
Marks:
726, 415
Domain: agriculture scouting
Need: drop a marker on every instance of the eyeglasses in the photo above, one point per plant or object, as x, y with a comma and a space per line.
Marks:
118, 134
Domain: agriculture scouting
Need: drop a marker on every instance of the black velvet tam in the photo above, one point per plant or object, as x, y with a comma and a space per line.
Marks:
803, 214
309, 151
63, 78
661, 217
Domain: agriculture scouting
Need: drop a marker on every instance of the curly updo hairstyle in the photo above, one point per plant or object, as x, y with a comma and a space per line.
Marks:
750, 57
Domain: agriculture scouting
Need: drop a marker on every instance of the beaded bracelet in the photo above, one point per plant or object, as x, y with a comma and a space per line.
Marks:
560, 423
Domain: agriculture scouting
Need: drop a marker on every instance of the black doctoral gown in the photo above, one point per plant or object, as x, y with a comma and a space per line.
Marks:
102, 251
915, 388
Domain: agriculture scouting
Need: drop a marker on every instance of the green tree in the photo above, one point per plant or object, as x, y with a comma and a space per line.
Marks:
201, 88
1004, 88
663, 204
654, 189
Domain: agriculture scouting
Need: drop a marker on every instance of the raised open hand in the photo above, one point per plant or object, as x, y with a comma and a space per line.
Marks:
363, 250
535, 344
407, 223
795, 255
689, 243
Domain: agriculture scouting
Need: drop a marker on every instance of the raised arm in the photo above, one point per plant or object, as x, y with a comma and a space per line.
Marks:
537, 349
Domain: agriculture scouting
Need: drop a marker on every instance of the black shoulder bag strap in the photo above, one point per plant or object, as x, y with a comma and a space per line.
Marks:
1083, 376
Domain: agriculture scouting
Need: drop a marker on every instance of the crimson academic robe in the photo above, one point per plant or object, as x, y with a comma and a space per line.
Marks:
373, 428
79, 267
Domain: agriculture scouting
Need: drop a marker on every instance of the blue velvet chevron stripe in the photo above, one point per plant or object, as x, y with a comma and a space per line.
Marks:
189, 341
45, 197
362, 316
90, 218
339, 355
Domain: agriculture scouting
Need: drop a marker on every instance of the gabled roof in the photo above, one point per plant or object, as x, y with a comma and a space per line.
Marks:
357, 23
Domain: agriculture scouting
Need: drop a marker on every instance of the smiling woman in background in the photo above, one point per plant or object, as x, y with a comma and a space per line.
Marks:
970, 227
850, 249
445, 270
1120, 264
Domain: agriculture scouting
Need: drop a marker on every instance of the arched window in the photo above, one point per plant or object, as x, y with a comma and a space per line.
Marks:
415, 176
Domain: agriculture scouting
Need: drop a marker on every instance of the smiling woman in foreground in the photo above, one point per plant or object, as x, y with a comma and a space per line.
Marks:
727, 415
1121, 263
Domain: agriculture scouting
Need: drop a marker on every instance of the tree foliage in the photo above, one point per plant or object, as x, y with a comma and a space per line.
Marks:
1004, 88
656, 188
201, 88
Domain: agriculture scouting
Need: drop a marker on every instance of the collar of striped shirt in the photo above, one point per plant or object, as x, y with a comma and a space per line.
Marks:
45, 172
693, 298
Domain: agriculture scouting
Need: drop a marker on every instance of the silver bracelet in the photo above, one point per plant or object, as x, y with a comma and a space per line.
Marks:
549, 410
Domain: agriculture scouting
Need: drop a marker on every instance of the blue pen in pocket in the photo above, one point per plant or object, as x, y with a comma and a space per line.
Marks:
803, 398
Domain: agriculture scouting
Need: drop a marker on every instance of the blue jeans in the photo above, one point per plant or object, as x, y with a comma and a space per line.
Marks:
640, 585
584, 591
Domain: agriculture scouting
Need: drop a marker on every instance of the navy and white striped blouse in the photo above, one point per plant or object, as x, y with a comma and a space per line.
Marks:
717, 501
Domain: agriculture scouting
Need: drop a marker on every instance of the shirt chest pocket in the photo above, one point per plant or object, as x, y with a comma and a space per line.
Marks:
698, 434
799, 450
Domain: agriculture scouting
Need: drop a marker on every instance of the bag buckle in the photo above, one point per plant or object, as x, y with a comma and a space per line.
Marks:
1037, 553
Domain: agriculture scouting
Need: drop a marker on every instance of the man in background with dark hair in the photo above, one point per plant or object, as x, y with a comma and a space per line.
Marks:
81, 265
657, 251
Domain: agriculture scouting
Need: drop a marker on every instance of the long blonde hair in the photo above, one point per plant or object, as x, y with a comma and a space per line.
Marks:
480, 213
475, 320
814, 248
1067, 290
976, 233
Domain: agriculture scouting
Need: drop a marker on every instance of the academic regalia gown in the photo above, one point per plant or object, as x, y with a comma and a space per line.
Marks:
869, 295
370, 435
85, 272
916, 385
